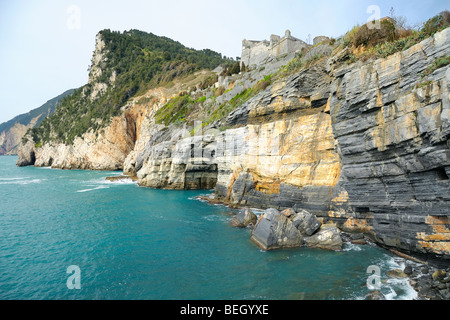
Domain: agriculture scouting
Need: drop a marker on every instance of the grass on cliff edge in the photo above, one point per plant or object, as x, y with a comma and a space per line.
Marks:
437, 64
185, 109
390, 38
226, 108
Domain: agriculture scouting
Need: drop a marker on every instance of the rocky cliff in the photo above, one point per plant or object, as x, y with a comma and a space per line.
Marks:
362, 144
11, 132
391, 123
105, 150
373, 157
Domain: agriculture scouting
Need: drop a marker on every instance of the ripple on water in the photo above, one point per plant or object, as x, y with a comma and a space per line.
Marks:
141, 243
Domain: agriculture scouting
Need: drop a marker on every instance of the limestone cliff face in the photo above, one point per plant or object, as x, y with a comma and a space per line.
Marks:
374, 159
285, 154
102, 150
168, 157
173, 163
12, 132
10, 138
365, 145
392, 126
99, 60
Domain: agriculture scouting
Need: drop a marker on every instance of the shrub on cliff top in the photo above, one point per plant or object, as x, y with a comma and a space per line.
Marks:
390, 38
437, 23
369, 37
348, 38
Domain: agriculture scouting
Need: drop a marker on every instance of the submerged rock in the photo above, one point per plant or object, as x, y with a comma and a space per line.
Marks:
396, 273
357, 238
121, 178
408, 270
375, 295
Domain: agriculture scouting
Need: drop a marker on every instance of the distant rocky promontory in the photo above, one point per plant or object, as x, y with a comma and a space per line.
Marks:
12, 131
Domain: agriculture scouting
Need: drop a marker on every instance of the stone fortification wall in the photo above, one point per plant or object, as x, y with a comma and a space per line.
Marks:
255, 53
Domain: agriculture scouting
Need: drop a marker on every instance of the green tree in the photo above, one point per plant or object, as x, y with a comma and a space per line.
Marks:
235, 69
139, 61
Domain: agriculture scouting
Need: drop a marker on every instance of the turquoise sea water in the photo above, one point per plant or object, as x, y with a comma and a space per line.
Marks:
138, 243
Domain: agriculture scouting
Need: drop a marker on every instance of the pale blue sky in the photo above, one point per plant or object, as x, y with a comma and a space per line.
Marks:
41, 56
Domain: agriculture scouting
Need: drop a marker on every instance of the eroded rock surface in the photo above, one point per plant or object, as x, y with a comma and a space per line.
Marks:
365, 145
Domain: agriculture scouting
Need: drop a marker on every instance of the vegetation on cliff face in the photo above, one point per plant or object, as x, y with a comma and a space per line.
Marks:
134, 61
362, 43
184, 109
224, 109
143, 60
175, 110
137, 61
438, 63
391, 37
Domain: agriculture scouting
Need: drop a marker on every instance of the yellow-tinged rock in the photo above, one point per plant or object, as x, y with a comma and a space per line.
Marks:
439, 240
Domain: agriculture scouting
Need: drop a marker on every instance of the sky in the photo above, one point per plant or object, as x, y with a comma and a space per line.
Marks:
46, 46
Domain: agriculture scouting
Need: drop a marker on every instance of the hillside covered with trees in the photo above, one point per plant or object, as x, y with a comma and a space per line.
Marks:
138, 61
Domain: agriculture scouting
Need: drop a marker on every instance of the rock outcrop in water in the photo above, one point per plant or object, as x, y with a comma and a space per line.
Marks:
288, 229
245, 218
364, 145
274, 230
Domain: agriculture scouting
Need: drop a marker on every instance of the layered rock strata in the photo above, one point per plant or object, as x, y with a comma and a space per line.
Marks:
285, 154
288, 229
186, 163
392, 126
365, 145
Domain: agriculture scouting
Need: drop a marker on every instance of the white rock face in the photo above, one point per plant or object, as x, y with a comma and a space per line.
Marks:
105, 151
97, 68
188, 163
10, 138
98, 57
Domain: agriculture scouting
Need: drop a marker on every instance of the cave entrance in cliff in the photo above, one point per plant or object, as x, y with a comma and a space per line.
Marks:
202, 183
441, 174
32, 158
131, 128
204, 179
206, 182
